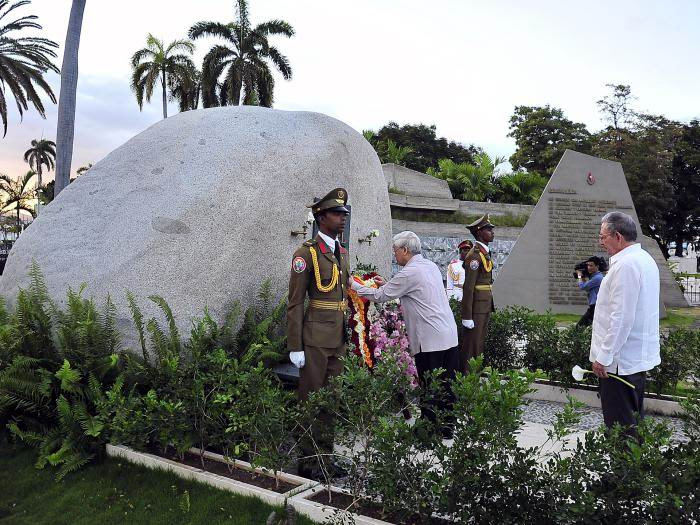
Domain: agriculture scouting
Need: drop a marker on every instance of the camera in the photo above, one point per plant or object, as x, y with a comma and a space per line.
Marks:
583, 267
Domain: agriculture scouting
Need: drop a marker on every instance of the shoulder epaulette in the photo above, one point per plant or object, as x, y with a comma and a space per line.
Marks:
310, 242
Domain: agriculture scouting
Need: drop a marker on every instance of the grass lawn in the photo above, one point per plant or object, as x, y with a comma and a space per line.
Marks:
675, 317
117, 492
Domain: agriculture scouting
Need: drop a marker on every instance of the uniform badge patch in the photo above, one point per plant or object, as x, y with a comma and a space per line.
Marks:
474, 265
298, 264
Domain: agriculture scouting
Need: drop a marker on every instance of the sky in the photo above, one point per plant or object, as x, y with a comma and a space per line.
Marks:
462, 65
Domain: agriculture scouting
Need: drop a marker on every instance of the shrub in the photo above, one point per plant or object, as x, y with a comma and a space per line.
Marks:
677, 350
507, 338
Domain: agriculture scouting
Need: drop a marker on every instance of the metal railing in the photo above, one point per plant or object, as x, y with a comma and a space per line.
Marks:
691, 290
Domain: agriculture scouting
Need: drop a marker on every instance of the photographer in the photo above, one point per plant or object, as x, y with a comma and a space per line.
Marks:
589, 280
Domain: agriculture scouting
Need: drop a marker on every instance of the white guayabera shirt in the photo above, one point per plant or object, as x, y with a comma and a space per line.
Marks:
430, 323
626, 321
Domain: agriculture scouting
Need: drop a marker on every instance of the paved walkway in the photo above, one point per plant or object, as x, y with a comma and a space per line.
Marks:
540, 415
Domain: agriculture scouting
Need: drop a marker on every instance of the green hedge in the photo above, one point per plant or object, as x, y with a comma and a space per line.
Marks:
520, 338
67, 389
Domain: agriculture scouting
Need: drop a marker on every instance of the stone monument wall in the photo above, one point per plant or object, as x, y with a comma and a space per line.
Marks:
563, 230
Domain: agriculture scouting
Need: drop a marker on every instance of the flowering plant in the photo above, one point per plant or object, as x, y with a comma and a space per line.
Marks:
379, 331
388, 331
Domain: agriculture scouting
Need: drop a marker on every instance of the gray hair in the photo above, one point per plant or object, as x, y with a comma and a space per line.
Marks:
618, 222
408, 240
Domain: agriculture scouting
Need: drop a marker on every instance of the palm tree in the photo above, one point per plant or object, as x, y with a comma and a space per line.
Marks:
392, 152
160, 62
242, 63
23, 62
65, 126
186, 90
520, 187
42, 153
470, 182
18, 193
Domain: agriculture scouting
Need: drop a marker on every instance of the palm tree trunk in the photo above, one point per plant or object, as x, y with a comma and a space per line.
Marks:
65, 128
38, 189
165, 99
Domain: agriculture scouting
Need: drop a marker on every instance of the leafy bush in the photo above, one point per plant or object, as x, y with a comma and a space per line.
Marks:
506, 338
62, 363
678, 349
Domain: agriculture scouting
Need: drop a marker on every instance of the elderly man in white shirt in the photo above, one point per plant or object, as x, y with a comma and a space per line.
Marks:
432, 332
625, 337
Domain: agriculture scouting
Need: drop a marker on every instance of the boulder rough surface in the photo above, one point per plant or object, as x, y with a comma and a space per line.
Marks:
199, 208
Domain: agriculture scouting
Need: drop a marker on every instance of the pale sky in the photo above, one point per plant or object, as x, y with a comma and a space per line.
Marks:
461, 65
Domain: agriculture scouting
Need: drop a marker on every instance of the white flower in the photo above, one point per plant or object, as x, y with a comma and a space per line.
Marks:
310, 218
577, 372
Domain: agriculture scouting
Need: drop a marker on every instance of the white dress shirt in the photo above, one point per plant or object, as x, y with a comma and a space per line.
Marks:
455, 279
429, 320
330, 241
626, 321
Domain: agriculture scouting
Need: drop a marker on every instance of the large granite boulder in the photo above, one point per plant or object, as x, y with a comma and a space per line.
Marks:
199, 209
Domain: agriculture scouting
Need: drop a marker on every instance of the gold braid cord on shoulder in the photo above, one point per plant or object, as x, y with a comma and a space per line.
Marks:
488, 265
334, 278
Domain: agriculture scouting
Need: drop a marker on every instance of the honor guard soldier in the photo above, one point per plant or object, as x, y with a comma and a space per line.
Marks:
316, 336
477, 299
455, 272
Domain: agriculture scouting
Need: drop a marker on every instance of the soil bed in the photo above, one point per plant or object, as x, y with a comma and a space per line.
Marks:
229, 471
371, 510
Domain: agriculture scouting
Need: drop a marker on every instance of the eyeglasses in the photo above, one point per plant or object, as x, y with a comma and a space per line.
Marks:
605, 235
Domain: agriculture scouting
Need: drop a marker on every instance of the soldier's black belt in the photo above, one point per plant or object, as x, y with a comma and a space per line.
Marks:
319, 304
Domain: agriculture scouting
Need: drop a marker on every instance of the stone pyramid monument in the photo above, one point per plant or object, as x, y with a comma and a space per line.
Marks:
563, 230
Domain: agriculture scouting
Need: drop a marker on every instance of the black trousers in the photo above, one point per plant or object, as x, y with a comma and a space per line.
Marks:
427, 361
587, 318
620, 403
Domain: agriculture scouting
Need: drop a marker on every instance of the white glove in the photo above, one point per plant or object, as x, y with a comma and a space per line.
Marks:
468, 324
297, 359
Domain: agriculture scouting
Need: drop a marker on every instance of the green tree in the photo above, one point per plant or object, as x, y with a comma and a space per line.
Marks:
520, 187
65, 125
683, 216
239, 72
392, 152
469, 182
646, 154
186, 90
19, 194
541, 135
427, 148
23, 63
158, 62
42, 153
615, 107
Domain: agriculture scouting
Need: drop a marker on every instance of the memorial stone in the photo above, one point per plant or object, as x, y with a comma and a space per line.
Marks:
200, 209
563, 230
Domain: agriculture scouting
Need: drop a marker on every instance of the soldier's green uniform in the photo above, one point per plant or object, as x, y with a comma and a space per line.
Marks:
318, 331
477, 298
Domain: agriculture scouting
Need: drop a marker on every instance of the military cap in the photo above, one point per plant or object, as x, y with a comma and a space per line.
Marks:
465, 244
480, 224
334, 201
